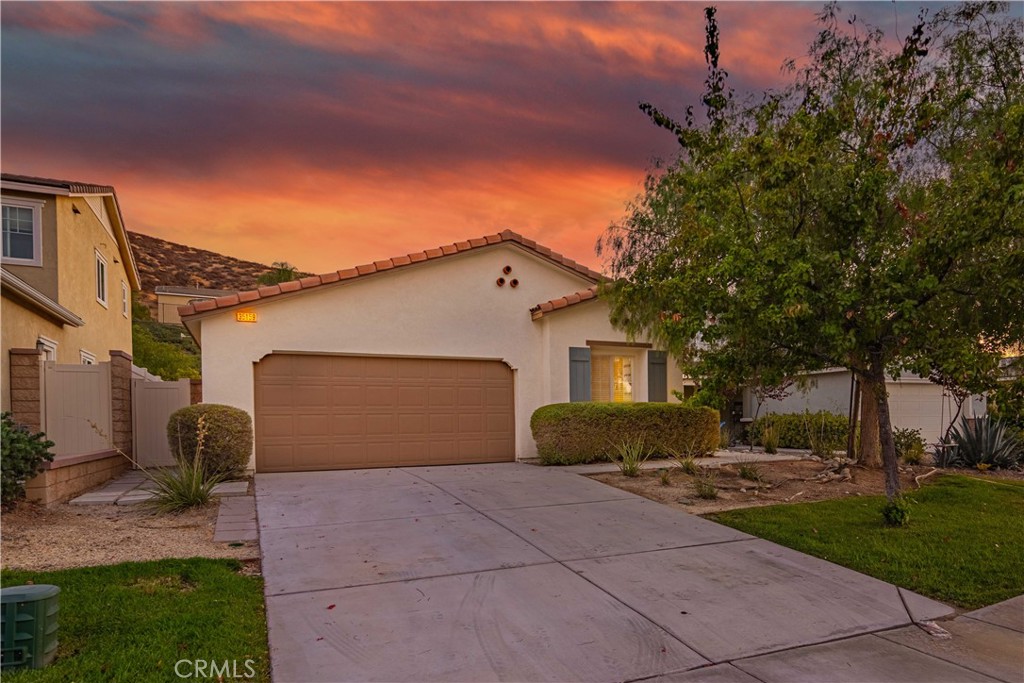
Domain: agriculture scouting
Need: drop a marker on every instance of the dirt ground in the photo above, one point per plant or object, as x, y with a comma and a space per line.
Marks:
781, 482
66, 536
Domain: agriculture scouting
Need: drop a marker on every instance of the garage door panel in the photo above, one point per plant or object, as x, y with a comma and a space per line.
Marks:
380, 368
470, 423
317, 412
441, 370
442, 397
381, 425
348, 425
470, 397
499, 397
313, 425
276, 395
442, 423
347, 394
413, 397
416, 423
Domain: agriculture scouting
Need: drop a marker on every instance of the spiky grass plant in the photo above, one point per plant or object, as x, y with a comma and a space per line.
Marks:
770, 439
705, 485
633, 453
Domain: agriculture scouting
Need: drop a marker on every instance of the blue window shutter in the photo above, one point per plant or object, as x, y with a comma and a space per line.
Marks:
579, 373
657, 376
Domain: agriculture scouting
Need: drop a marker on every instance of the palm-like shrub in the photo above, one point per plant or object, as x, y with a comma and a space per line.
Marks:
986, 442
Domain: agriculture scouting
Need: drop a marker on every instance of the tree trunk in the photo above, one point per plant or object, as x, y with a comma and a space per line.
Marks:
877, 386
870, 450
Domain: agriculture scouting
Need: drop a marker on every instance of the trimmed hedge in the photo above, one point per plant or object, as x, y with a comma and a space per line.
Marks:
228, 442
573, 433
794, 428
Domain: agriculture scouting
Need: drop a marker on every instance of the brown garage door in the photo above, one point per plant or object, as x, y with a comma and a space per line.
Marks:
318, 412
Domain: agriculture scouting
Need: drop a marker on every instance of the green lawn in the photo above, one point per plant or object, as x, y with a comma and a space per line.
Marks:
964, 544
134, 621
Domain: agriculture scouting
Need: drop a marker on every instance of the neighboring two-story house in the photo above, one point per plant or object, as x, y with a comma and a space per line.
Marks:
67, 272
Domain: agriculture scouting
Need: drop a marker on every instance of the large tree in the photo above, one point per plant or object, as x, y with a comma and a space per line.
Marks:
869, 216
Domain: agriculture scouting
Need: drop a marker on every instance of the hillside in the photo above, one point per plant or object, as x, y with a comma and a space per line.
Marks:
167, 263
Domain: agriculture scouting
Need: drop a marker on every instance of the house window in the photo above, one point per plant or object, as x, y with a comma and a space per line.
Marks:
22, 233
124, 299
611, 379
87, 358
101, 279
47, 347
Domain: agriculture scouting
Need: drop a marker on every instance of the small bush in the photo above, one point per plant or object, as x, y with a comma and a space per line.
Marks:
985, 441
704, 485
796, 430
897, 511
572, 433
22, 457
665, 476
228, 439
770, 439
909, 445
725, 437
750, 471
633, 453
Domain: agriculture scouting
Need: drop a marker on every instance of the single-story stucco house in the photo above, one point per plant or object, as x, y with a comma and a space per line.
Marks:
435, 357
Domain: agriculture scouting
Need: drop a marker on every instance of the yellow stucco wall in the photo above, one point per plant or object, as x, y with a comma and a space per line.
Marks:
78, 238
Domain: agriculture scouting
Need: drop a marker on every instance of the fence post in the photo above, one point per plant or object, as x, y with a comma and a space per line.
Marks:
26, 387
195, 391
121, 400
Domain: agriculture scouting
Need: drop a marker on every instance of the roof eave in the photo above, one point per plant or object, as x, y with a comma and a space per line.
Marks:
25, 292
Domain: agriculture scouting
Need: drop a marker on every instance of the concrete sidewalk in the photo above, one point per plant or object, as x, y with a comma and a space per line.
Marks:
513, 572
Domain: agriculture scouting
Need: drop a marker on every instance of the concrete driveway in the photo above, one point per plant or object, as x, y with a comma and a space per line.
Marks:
521, 573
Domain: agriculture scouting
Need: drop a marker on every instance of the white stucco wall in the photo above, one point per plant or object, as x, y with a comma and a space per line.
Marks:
588, 321
449, 308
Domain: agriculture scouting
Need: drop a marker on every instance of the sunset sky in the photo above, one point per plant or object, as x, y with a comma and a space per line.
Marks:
330, 134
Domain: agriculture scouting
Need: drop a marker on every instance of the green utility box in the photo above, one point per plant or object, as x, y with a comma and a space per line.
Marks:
29, 625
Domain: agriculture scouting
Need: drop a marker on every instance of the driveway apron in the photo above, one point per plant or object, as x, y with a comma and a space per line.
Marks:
521, 573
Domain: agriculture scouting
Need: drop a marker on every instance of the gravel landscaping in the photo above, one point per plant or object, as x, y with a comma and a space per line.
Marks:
68, 536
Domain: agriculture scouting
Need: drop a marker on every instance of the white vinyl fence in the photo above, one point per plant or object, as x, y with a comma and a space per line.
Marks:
152, 405
76, 407
77, 411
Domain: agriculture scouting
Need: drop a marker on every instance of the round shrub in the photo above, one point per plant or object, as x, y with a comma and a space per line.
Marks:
22, 457
573, 433
227, 443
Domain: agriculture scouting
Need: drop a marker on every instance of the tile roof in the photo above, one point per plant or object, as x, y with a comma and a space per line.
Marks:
540, 310
193, 291
504, 237
74, 186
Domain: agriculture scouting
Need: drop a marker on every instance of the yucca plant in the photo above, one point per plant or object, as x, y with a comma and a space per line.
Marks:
985, 441
186, 486
633, 453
